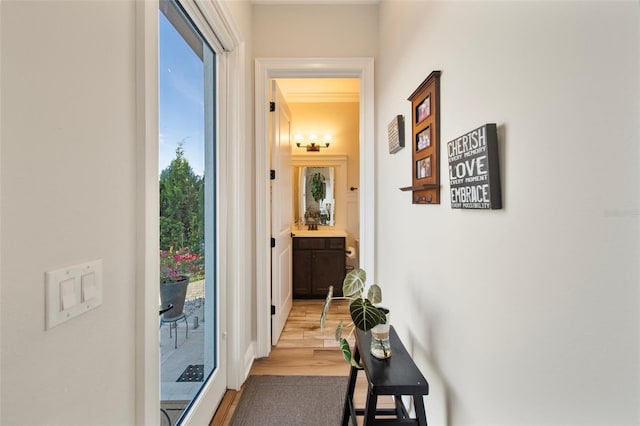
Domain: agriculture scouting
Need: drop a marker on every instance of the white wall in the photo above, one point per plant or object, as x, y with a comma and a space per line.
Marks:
530, 314
68, 196
0, 208
341, 120
310, 31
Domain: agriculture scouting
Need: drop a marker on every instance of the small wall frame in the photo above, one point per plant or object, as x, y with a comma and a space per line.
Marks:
425, 141
396, 134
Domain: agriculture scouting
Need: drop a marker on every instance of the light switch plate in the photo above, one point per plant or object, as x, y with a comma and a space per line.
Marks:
68, 296
77, 288
88, 285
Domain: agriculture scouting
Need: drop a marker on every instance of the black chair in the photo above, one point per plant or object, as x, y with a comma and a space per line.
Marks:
162, 311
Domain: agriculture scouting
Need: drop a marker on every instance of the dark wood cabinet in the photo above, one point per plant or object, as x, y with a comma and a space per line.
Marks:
318, 262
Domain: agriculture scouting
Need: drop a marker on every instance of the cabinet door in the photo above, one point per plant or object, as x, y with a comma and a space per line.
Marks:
302, 273
328, 269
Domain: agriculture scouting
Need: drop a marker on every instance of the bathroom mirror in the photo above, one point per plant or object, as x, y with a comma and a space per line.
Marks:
315, 201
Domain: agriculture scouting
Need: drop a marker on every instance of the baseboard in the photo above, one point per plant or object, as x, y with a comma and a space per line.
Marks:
249, 357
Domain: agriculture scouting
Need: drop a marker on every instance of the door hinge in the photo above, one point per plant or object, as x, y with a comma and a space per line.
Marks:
273, 242
273, 309
272, 106
272, 174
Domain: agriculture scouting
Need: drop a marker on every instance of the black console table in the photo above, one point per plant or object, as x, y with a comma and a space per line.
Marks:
396, 376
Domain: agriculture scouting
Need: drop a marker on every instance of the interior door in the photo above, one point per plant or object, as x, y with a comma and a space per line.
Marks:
281, 205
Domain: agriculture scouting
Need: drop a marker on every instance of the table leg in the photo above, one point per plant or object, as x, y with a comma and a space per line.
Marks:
175, 324
370, 409
349, 410
421, 416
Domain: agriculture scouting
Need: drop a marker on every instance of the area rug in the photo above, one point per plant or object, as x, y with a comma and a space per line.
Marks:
291, 400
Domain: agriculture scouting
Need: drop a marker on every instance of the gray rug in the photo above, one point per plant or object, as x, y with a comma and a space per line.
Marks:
291, 401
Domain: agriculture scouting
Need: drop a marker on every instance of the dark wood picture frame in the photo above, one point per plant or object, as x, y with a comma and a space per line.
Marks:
425, 132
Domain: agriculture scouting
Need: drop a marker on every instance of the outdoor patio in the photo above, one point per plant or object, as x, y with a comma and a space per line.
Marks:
174, 394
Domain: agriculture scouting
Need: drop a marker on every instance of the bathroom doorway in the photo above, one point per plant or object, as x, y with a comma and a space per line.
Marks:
301, 71
326, 110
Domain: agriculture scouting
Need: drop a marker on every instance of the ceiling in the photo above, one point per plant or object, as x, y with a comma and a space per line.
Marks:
309, 2
305, 90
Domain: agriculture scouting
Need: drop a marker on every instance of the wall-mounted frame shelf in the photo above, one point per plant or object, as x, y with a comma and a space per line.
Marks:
419, 187
425, 141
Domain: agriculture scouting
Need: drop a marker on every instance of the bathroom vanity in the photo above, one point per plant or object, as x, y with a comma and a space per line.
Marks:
318, 262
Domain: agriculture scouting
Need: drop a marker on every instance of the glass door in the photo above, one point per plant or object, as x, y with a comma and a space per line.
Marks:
188, 226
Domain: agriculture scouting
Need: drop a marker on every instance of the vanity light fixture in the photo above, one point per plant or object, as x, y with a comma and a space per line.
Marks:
313, 145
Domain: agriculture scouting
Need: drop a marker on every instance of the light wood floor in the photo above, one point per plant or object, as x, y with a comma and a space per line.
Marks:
303, 350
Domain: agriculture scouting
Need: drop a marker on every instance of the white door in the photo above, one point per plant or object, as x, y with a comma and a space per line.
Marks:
193, 364
281, 205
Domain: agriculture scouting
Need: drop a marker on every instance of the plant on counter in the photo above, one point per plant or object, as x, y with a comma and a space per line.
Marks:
364, 314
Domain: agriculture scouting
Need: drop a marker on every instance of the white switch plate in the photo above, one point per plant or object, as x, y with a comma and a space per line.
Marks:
84, 295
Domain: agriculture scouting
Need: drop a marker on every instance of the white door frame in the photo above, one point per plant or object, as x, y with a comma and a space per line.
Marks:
269, 68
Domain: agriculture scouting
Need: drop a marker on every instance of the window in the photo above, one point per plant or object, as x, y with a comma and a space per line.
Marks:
188, 234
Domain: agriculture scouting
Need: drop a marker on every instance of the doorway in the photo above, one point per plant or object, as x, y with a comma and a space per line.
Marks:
305, 110
266, 70
190, 343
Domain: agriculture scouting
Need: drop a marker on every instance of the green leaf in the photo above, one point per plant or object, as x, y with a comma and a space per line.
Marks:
339, 329
318, 187
346, 353
365, 316
325, 308
353, 284
375, 294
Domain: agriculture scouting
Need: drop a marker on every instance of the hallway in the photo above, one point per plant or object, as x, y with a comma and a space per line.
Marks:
302, 350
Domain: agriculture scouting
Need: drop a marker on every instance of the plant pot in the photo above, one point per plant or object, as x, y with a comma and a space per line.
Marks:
380, 345
175, 293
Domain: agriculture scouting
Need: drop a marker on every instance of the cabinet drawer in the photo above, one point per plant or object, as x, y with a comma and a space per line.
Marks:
318, 243
311, 243
334, 243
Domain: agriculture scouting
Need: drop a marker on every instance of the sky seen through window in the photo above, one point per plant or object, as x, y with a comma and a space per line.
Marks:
181, 92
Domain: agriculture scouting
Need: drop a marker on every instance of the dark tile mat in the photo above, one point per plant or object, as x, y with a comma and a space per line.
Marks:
193, 373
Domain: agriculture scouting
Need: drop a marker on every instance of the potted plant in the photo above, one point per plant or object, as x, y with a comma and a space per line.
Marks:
175, 269
364, 314
318, 189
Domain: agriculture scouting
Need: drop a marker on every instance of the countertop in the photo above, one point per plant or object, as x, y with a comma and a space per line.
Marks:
319, 233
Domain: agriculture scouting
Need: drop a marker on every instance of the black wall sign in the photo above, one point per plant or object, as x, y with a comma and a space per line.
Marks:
474, 173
